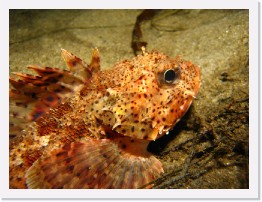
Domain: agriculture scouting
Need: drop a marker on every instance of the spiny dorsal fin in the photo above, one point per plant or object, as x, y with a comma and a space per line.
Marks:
32, 96
76, 65
95, 61
104, 163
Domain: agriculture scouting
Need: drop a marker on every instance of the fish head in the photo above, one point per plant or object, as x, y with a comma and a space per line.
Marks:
150, 95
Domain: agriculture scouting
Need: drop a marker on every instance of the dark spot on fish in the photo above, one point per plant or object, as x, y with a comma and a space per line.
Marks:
70, 168
57, 90
61, 153
73, 63
133, 129
36, 115
68, 160
50, 98
33, 95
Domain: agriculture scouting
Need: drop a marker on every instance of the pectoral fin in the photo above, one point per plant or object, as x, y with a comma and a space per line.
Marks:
106, 163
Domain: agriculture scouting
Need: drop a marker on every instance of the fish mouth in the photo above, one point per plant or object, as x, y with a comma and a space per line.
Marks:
110, 132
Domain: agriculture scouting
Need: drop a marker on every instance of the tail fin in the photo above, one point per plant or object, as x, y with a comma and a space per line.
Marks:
106, 163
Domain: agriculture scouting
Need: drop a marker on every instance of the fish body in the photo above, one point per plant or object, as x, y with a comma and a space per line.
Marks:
89, 128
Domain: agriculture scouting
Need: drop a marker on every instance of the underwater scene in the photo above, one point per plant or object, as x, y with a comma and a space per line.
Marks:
109, 99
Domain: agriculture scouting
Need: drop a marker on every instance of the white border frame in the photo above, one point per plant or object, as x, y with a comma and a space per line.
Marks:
254, 176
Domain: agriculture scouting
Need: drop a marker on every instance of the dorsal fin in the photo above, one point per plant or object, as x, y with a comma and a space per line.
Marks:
95, 61
76, 65
31, 96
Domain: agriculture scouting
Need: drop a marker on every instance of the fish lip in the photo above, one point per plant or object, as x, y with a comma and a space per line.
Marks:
110, 132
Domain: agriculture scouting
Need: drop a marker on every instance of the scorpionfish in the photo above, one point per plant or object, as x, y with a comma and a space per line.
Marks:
84, 127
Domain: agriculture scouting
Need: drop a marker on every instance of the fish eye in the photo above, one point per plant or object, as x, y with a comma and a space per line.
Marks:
170, 76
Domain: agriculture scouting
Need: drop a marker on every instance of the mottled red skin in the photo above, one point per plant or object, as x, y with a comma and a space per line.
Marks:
120, 109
